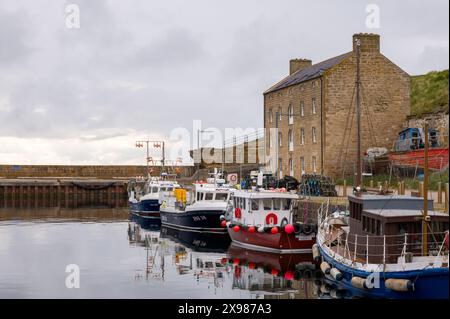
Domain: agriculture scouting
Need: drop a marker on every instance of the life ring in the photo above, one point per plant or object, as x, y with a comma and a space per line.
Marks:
237, 212
271, 219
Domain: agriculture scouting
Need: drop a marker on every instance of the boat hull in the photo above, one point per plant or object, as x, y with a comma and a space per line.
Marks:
195, 220
430, 283
281, 243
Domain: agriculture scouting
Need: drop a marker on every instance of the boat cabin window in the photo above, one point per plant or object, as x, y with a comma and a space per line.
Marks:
286, 203
355, 210
154, 189
255, 204
267, 203
222, 196
209, 196
277, 204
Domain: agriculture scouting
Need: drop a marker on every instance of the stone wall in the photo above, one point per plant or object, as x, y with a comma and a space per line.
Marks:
385, 105
84, 171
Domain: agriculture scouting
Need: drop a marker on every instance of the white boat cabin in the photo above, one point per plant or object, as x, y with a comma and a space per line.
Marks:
262, 208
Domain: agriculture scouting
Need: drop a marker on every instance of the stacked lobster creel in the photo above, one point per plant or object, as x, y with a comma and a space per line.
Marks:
317, 185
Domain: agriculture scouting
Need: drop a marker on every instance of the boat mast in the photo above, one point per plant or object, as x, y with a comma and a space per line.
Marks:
358, 115
425, 196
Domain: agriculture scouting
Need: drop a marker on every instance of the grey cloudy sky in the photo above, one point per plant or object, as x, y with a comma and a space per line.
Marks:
137, 69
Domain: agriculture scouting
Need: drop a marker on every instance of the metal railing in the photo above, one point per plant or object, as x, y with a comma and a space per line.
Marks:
380, 249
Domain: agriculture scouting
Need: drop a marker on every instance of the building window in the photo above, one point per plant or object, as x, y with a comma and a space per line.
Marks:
314, 109
314, 84
314, 164
291, 115
302, 136
302, 109
290, 141
280, 139
291, 167
270, 116
314, 135
280, 114
302, 165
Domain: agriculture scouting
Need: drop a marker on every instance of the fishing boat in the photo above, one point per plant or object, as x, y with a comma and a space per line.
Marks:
145, 201
389, 246
263, 220
198, 209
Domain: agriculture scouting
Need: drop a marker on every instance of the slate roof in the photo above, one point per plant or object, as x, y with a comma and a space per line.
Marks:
312, 72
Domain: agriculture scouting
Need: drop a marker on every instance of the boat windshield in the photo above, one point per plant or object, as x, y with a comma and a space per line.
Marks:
208, 196
154, 189
222, 196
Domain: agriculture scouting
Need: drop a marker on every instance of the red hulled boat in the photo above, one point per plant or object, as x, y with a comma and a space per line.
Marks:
263, 220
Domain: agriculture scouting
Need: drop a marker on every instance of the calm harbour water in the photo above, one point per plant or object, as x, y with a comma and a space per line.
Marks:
119, 259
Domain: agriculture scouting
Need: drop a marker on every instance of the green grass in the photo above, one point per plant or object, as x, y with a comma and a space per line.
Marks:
410, 183
429, 93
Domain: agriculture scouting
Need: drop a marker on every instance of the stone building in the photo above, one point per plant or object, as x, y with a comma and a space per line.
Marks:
316, 111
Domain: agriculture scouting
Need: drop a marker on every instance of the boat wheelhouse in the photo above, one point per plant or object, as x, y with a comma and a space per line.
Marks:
145, 206
264, 220
197, 209
381, 249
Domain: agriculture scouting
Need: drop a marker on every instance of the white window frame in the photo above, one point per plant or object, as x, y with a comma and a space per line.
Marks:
291, 167
302, 109
302, 165
314, 164
291, 115
291, 140
302, 136
314, 105
314, 135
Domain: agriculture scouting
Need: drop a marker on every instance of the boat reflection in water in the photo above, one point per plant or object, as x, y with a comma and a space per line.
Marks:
198, 241
273, 276
185, 253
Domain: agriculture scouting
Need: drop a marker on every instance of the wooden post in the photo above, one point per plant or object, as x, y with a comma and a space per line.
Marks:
400, 188
446, 197
344, 190
439, 193
420, 189
403, 188
386, 185
371, 183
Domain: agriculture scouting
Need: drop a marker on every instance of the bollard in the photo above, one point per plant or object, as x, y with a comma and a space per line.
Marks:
439, 193
386, 185
371, 183
446, 197
399, 188
344, 189
420, 189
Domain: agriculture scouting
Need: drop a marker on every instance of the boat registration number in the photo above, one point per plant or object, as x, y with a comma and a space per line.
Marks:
300, 237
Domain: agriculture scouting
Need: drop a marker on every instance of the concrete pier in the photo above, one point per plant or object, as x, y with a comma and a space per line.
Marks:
68, 193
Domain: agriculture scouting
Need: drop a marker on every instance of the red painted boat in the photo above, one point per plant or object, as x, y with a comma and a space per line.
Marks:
263, 220
437, 158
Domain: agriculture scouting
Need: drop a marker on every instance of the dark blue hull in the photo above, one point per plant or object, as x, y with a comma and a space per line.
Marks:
146, 205
197, 221
198, 241
430, 283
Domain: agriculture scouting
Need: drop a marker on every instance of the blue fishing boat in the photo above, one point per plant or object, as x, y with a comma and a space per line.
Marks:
145, 200
199, 209
378, 250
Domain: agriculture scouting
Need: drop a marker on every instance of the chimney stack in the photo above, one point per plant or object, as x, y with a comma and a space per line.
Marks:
298, 64
369, 42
